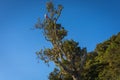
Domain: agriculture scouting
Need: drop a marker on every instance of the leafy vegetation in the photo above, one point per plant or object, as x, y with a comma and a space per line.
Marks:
104, 63
101, 64
73, 62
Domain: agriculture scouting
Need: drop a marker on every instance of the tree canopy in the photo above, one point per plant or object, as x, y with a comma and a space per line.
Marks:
66, 54
73, 62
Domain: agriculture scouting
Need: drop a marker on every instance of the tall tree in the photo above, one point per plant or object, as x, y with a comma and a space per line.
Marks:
101, 64
66, 54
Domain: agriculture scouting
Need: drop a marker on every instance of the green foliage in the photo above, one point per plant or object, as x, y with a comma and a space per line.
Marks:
66, 54
112, 57
103, 64
73, 62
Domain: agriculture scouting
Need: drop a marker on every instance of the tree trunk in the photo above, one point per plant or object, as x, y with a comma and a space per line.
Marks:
75, 77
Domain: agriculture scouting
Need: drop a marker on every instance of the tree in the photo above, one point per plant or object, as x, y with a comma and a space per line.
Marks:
104, 62
109, 53
66, 54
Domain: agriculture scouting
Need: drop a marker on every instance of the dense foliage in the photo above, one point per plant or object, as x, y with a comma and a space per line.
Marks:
109, 54
73, 62
101, 64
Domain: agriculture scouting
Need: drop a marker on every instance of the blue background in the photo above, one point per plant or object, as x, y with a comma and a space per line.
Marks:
88, 22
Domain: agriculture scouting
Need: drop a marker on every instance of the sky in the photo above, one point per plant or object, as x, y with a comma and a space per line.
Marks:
88, 22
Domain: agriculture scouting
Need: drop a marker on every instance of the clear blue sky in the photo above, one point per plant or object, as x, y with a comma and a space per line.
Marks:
88, 22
